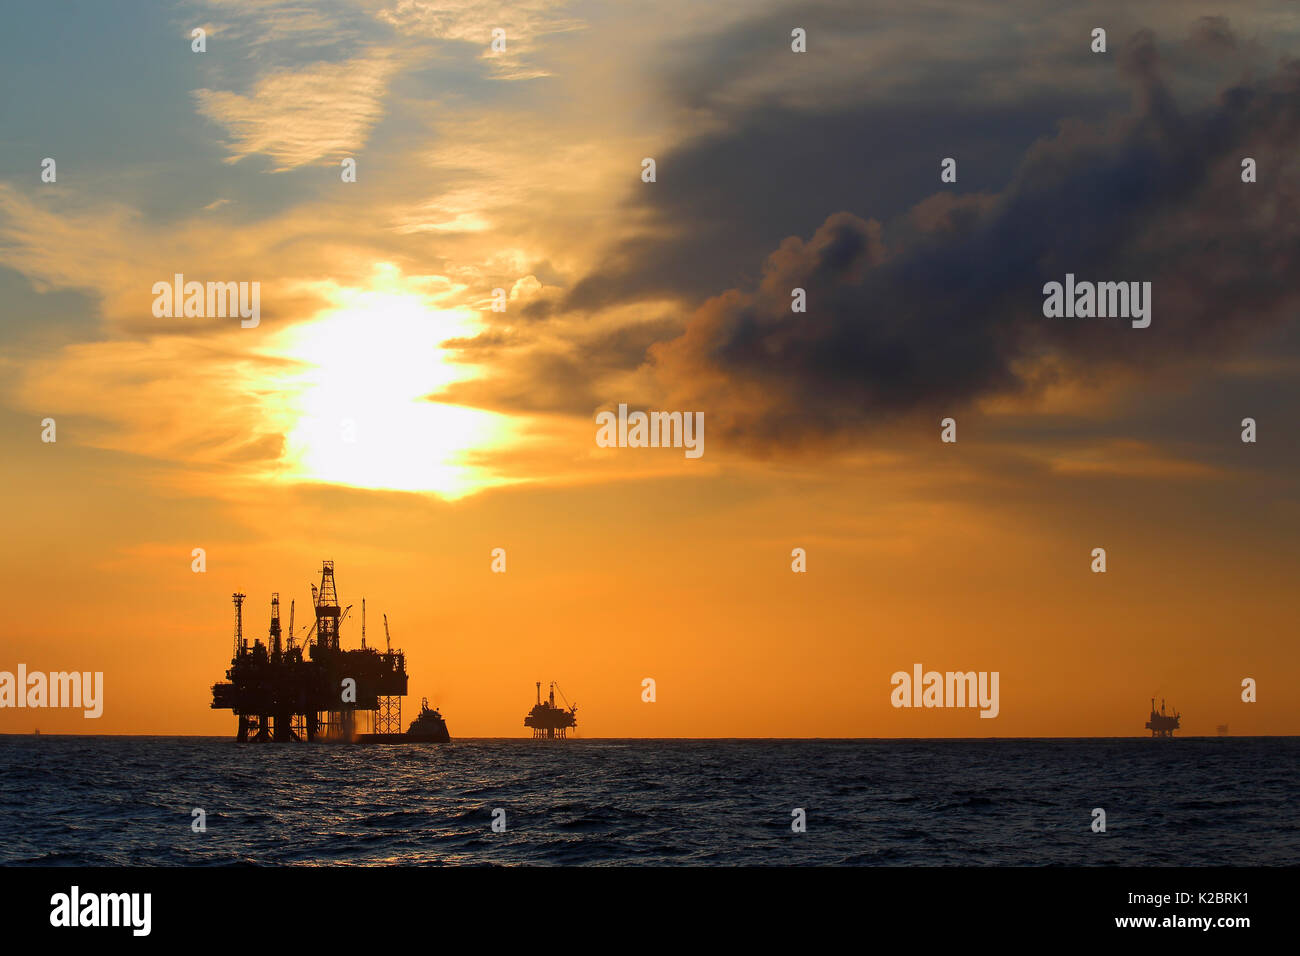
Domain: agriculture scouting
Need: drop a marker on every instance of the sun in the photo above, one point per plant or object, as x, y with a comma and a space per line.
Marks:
356, 400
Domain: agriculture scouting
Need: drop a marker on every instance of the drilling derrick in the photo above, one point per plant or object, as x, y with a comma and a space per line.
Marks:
327, 609
273, 634
328, 614
239, 623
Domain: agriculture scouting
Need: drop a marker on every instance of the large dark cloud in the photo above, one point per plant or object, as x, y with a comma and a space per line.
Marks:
948, 310
858, 123
728, 199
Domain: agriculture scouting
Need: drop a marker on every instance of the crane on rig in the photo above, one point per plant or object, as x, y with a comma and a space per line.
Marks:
315, 600
388, 641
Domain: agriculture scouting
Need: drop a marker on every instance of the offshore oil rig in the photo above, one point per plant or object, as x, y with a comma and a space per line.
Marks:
1162, 724
548, 721
282, 691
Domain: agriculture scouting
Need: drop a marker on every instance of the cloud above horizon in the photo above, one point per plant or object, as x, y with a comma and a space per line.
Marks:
949, 311
325, 110
775, 171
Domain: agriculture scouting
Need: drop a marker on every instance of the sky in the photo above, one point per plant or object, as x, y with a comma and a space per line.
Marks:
384, 415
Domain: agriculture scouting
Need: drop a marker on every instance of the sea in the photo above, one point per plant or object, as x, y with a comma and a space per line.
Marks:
89, 801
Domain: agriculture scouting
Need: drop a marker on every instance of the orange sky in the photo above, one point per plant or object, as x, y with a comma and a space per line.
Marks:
475, 430
686, 580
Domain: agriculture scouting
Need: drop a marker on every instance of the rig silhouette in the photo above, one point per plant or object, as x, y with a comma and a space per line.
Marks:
282, 694
1162, 724
548, 721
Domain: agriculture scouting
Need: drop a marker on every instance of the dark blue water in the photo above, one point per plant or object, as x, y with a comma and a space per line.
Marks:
128, 800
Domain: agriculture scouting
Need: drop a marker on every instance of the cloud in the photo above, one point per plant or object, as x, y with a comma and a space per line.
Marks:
296, 117
949, 311
774, 171
112, 252
472, 21
270, 28
766, 143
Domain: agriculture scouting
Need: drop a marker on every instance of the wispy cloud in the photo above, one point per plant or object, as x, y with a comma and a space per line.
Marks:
325, 110
525, 23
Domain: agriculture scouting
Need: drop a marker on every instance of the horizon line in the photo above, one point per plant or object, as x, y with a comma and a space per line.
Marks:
566, 740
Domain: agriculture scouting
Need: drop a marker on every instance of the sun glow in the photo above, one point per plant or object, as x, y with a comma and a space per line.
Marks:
357, 398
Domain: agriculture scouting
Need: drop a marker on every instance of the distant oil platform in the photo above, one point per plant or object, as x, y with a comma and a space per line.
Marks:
548, 721
282, 694
1162, 724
